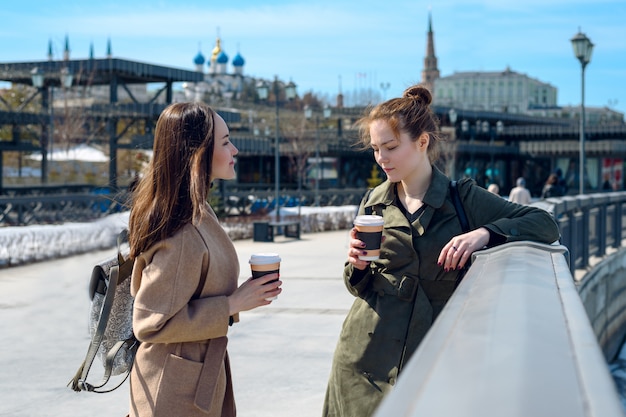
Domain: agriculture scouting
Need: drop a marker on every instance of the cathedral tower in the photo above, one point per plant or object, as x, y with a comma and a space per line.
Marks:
430, 72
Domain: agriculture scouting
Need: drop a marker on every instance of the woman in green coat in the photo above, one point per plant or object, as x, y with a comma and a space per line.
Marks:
424, 250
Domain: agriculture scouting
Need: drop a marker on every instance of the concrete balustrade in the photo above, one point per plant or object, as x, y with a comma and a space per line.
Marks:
603, 292
514, 340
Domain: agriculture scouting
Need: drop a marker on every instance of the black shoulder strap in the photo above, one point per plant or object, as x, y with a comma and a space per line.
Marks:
460, 212
458, 205
368, 210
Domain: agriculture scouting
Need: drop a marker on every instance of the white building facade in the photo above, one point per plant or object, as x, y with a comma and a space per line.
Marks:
504, 91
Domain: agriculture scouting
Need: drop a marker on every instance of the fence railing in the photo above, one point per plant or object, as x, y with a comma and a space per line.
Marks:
24, 210
590, 224
41, 205
514, 340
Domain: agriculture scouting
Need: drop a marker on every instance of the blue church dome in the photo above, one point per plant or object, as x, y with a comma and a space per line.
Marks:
222, 58
238, 60
199, 59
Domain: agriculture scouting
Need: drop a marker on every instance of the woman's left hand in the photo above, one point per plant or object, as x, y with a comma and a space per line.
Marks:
458, 250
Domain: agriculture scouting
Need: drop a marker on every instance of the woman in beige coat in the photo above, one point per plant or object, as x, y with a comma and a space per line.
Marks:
185, 274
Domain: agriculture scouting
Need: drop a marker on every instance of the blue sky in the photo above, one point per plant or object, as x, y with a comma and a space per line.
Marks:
325, 44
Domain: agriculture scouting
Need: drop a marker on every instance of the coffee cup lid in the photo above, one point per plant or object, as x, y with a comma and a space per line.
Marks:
264, 258
369, 220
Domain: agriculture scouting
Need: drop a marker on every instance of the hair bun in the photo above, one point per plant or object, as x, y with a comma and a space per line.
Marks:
419, 94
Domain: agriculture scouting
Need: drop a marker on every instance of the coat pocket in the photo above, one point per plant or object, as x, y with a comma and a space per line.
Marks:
353, 393
177, 387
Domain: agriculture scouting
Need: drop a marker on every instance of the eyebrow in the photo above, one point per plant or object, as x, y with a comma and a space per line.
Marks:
386, 142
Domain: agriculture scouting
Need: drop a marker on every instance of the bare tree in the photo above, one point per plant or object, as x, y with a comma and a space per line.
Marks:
300, 145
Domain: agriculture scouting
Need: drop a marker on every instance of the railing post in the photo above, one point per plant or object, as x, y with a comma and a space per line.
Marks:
570, 207
20, 213
584, 237
617, 226
585, 204
602, 224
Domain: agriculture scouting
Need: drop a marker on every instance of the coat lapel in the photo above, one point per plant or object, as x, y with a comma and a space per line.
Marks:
385, 195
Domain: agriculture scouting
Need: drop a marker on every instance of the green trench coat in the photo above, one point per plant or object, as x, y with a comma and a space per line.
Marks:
401, 294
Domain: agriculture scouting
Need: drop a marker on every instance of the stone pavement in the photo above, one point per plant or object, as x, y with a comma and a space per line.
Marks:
280, 354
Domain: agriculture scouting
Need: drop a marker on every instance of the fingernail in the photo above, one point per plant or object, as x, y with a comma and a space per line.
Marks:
439, 263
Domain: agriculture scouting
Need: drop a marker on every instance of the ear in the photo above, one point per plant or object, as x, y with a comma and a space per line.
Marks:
423, 141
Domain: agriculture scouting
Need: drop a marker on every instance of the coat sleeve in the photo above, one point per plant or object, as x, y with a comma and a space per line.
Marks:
511, 221
165, 279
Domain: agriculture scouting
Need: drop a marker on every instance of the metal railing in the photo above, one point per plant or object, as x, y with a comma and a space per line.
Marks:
514, 340
43, 208
52, 205
590, 224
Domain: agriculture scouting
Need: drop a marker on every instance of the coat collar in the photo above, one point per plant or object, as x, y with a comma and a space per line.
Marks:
434, 197
385, 194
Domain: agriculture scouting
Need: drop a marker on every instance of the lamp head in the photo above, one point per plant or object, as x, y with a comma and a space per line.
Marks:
327, 111
37, 77
452, 114
262, 89
290, 90
582, 48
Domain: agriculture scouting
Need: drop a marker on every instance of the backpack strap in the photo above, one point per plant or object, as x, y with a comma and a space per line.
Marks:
460, 212
458, 206
366, 197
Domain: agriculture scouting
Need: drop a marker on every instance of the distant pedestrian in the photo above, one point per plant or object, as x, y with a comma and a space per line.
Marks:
551, 187
560, 181
606, 185
494, 189
520, 193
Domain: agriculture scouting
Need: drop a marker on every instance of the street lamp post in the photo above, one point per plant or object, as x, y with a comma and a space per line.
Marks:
308, 113
290, 93
582, 50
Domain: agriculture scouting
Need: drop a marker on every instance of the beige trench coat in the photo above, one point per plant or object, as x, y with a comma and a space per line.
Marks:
181, 367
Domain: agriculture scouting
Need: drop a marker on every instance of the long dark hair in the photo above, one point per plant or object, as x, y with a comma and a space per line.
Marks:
176, 183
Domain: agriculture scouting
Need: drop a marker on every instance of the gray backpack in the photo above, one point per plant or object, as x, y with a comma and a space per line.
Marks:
110, 322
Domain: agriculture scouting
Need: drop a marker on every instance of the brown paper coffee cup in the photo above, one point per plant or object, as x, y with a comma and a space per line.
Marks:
370, 230
264, 263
